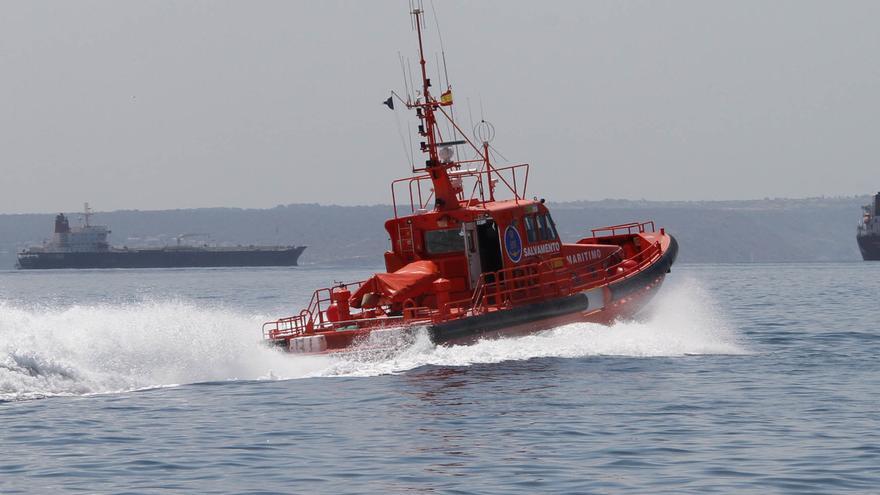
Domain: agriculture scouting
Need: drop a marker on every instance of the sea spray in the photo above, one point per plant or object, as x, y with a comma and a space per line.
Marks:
107, 348
682, 320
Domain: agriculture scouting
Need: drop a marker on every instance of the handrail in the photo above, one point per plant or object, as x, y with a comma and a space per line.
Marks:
279, 331
477, 192
314, 316
555, 278
640, 228
478, 291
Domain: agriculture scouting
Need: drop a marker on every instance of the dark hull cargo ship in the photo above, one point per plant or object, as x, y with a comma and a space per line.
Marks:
87, 247
868, 233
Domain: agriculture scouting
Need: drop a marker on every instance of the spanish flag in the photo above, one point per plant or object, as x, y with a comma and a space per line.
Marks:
446, 98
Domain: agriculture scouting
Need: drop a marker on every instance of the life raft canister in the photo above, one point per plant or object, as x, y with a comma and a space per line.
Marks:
333, 312
339, 309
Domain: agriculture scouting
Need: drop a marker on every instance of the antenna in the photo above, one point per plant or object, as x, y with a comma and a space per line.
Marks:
406, 151
403, 71
442, 49
470, 113
445, 73
442, 156
417, 21
87, 213
437, 61
445, 194
485, 132
412, 81
411, 155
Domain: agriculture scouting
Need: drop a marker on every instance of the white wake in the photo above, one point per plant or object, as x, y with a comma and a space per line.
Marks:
97, 349
682, 321
102, 349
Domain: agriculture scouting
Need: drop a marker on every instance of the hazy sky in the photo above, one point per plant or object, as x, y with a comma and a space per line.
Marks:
175, 104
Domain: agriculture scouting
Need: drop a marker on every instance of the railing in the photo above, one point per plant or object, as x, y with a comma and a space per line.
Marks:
288, 327
548, 279
515, 178
309, 320
626, 228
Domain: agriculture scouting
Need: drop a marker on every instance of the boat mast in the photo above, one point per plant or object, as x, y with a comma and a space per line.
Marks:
87, 213
446, 197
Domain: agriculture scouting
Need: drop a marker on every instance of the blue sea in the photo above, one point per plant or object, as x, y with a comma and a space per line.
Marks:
751, 378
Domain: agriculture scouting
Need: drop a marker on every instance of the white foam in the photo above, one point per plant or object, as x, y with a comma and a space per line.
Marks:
97, 349
100, 349
682, 321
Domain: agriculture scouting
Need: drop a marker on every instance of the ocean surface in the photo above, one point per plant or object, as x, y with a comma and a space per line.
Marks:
752, 378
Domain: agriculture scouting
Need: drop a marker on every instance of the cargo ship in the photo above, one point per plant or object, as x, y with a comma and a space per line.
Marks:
87, 247
474, 256
868, 233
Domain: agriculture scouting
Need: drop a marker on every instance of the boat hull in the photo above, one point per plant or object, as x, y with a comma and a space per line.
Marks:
621, 299
625, 298
162, 258
869, 245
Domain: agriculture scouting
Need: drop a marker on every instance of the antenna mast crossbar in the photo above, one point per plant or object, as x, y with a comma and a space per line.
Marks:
445, 194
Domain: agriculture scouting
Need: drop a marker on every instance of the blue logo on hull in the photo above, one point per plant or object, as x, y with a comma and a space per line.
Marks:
513, 244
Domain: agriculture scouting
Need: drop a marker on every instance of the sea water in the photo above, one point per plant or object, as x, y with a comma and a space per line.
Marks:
737, 379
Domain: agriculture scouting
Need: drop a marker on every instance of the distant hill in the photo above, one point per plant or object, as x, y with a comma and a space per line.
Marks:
769, 230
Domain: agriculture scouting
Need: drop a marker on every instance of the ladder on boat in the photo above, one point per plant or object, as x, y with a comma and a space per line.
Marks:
405, 241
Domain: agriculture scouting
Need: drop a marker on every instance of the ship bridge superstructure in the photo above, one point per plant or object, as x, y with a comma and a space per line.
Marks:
86, 238
870, 223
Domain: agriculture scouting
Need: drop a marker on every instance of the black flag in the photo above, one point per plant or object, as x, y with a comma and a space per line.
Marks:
389, 102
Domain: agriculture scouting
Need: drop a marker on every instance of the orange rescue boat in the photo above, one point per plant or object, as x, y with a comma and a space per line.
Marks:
472, 257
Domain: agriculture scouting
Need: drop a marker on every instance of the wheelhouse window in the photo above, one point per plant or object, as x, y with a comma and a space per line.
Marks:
531, 232
444, 241
542, 227
546, 228
551, 227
